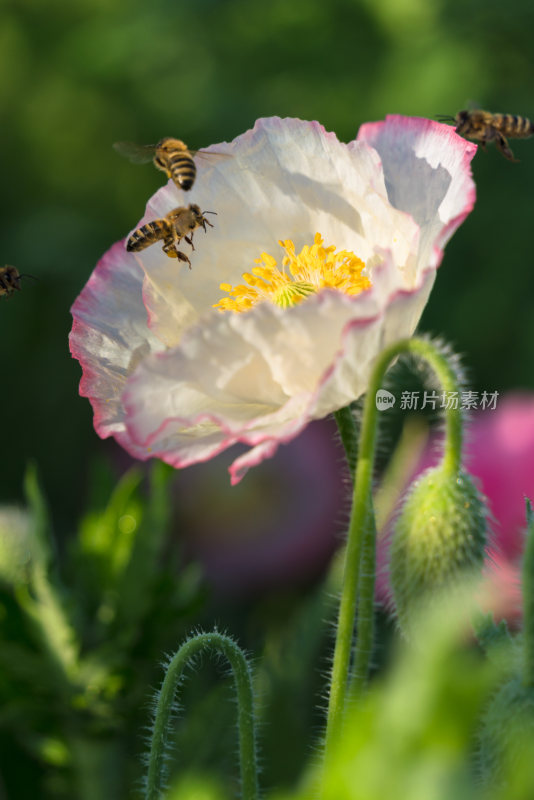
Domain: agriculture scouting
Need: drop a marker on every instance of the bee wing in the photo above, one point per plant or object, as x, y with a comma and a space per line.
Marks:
209, 154
136, 153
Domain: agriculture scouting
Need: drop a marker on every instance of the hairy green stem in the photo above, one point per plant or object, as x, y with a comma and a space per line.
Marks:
349, 593
366, 603
348, 431
360, 548
245, 704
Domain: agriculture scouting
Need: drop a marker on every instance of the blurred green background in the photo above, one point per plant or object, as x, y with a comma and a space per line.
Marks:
76, 77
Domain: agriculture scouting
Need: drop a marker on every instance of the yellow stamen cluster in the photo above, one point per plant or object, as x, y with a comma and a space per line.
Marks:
316, 267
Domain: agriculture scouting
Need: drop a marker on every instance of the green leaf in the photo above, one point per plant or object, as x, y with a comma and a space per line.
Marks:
134, 583
39, 510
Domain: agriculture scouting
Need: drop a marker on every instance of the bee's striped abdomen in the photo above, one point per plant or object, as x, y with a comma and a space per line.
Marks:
514, 126
182, 169
147, 235
525, 126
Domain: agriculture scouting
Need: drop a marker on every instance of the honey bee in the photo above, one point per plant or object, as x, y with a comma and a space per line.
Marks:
9, 280
178, 224
172, 156
486, 127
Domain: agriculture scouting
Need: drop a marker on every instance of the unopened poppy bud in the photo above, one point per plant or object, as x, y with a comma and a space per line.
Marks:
439, 538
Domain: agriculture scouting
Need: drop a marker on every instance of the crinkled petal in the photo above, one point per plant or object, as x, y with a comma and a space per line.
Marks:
427, 174
284, 179
109, 338
223, 385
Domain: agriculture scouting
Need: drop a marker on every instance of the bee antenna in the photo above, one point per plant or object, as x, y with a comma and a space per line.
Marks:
210, 212
25, 275
445, 118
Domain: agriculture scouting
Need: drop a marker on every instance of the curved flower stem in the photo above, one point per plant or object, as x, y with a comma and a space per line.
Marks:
362, 519
246, 720
450, 385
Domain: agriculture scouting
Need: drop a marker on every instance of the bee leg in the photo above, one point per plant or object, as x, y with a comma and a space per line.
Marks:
502, 145
169, 248
189, 240
182, 257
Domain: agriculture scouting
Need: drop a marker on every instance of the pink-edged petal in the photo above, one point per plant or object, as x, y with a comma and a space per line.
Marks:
363, 339
241, 465
427, 174
259, 378
190, 402
109, 338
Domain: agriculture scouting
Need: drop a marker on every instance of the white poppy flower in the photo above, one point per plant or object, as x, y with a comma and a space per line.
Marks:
321, 255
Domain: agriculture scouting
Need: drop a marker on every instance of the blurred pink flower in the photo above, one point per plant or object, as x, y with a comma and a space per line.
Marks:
500, 452
172, 374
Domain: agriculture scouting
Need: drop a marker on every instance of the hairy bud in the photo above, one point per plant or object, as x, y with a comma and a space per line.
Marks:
439, 538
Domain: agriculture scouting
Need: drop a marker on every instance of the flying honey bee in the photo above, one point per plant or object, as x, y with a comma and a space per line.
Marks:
486, 127
178, 224
170, 155
9, 280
